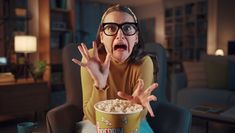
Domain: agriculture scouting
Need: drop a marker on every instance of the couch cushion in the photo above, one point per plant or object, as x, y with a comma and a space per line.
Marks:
196, 74
217, 73
192, 97
213, 58
232, 99
231, 75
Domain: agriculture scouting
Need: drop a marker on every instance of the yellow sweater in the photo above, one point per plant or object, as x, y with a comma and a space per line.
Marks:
122, 77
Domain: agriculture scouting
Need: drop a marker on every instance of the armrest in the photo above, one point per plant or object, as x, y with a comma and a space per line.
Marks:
170, 118
63, 118
178, 81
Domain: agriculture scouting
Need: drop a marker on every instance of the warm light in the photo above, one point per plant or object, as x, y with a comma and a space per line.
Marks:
219, 52
25, 44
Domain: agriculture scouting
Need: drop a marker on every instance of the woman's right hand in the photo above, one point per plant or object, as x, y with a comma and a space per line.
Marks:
99, 71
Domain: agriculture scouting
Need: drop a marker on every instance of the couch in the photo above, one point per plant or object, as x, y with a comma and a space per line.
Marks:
208, 81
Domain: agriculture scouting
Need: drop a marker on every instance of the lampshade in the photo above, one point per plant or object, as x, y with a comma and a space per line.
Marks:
219, 52
25, 44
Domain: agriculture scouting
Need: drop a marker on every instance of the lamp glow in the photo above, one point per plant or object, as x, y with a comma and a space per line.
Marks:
219, 52
25, 44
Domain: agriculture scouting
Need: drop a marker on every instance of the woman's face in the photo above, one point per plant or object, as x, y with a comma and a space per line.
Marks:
119, 45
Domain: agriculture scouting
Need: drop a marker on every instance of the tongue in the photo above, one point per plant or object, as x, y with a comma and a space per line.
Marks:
120, 47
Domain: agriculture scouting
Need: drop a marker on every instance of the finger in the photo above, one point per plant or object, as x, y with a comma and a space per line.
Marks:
151, 88
107, 60
152, 98
139, 89
140, 86
95, 52
124, 95
78, 62
81, 50
85, 50
150, 110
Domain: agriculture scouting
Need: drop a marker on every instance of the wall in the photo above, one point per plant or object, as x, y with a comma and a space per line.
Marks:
212, 26
155, 10
221, 26
226, 23
88, 19
33, 24
1, 32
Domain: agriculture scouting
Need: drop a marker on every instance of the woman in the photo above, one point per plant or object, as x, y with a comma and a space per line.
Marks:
116, 67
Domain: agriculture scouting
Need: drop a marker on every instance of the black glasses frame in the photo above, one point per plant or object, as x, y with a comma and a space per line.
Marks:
120, 27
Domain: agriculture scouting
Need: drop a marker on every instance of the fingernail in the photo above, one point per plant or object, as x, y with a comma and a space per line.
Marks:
74, 60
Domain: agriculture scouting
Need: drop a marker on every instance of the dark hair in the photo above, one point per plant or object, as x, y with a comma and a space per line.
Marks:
138, 49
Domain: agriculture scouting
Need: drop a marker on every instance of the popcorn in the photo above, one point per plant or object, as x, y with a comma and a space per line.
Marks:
118, 106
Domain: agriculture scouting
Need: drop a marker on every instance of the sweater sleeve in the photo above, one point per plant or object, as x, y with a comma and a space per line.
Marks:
91, 95
146, 74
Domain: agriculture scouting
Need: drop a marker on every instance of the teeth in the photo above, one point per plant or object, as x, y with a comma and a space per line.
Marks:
120, 46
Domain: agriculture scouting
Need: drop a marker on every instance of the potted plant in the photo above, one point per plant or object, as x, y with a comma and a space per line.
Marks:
37, 70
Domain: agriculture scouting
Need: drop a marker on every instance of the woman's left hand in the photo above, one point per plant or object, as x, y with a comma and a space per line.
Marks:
141, 96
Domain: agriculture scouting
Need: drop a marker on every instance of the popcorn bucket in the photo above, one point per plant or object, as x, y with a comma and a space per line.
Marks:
117, 122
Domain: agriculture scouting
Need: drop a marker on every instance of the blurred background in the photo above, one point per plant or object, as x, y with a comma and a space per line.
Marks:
198, 37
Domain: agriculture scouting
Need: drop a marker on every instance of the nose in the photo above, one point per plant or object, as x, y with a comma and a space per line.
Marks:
120, 34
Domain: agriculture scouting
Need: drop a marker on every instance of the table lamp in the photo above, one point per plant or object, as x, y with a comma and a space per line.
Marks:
25, 44
219, 52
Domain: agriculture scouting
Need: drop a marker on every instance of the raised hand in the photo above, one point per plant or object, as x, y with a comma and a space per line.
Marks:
141, 96
98, 70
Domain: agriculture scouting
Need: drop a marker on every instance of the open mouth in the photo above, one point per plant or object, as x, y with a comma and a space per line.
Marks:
120, 47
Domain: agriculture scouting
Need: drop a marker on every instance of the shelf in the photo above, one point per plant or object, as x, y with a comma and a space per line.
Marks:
61, 34
14, 17
186, 31
14, 20
60, 10
60, 30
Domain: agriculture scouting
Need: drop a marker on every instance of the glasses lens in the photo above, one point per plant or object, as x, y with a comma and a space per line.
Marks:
129, 29
110, 29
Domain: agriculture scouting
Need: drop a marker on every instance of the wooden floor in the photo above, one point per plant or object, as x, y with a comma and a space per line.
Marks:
198, 126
